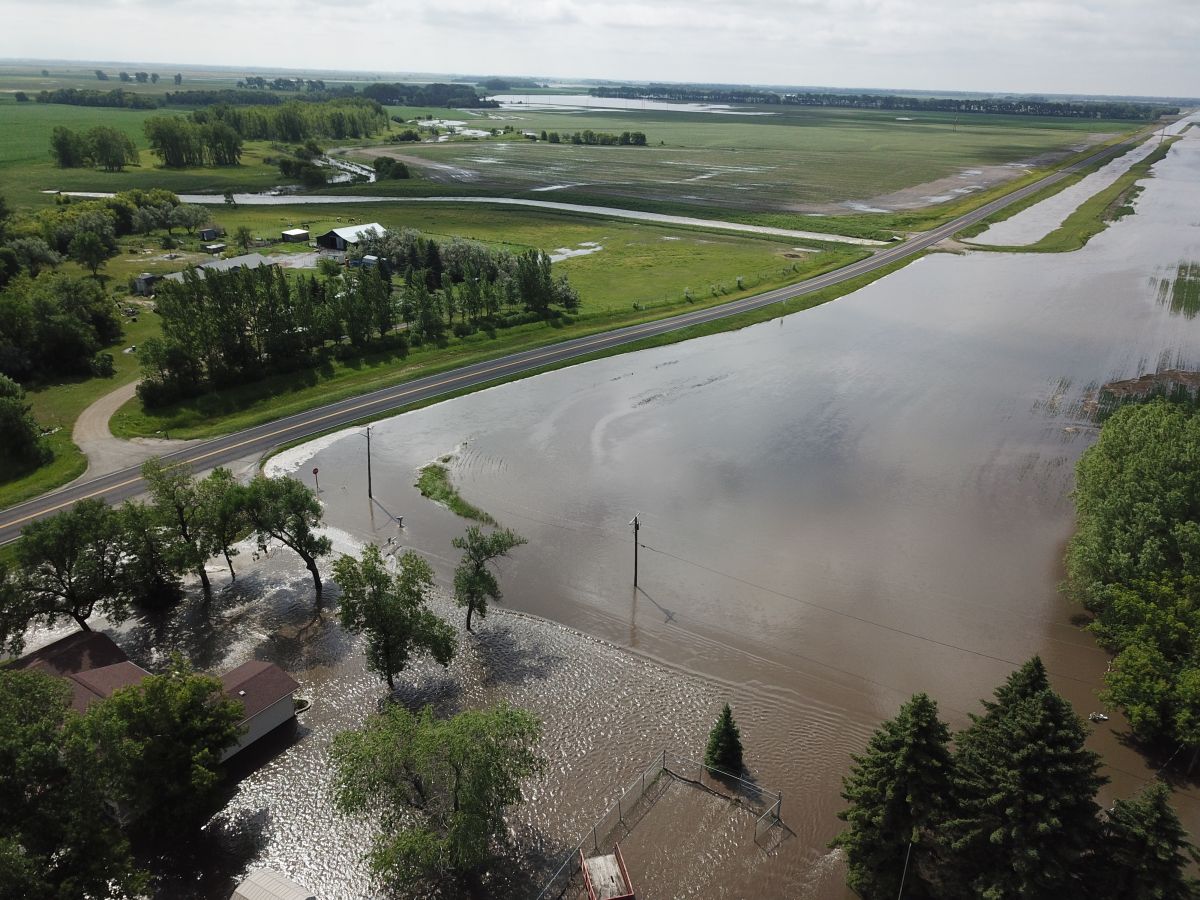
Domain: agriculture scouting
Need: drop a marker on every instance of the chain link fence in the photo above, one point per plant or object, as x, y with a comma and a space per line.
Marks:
767, 804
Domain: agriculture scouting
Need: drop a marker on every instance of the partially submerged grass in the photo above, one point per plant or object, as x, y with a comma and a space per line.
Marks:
1094, 214
1182, 293
434, 483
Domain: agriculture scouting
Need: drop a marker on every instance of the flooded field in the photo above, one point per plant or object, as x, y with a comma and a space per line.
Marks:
838, 509
1031, 225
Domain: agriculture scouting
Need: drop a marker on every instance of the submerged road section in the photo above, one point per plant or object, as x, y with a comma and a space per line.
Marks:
126, 483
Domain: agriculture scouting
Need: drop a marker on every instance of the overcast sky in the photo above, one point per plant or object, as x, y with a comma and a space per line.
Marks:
1054, 46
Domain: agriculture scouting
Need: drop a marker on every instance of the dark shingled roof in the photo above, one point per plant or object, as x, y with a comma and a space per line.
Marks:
258, 684
78, 652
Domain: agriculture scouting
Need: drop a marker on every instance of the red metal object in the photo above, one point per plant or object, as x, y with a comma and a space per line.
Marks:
596, 892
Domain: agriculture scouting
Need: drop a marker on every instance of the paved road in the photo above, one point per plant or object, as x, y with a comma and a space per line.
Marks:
126, 483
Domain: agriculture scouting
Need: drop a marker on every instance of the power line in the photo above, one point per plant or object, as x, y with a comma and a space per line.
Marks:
847, 615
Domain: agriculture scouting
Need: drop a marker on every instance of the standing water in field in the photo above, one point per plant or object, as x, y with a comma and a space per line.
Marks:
838, 508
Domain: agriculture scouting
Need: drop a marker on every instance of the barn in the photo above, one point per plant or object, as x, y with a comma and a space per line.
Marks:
350, 236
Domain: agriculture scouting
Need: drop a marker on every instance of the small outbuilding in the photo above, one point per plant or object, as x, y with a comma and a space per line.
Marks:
143, 284
215, 248
350, 236
209, 234
268, 695
295, 236
267, 884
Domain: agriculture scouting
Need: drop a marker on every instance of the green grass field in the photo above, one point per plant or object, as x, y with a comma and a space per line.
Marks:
27, 170
639, 263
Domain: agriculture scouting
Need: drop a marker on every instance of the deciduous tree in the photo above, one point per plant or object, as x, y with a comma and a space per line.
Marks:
438, 789
160, 744
474, 582
71, 565
57, 839
391, 611
284, 510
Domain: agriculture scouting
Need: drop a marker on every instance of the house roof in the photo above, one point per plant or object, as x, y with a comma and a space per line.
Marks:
76, 652
99, 684
258, 684
354, 233
267, 884
246, 261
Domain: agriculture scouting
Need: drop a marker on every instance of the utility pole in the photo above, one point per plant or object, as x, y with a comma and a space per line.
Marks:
370, 495
637, 526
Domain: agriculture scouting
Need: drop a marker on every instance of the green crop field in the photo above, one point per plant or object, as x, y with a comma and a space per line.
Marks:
793, 159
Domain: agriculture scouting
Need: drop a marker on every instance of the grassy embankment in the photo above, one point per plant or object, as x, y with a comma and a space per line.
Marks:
1094, 214
434, 483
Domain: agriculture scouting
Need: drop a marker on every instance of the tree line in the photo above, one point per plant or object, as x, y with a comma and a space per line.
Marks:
457, 96
94, 559
221, 329
1009, 106
103, 146
179, 143
1131, 564
252, 97
152, 77
1006, 809
117, 98
296, 121
596, 138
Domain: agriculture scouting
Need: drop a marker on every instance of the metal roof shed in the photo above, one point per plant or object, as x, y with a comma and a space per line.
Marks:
267, 884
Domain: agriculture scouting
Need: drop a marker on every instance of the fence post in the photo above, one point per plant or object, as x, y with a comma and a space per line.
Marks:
664, 765
595, 840
620, 812
643, 781
779, 807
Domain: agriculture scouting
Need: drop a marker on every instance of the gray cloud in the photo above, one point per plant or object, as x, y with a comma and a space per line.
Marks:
1098, 46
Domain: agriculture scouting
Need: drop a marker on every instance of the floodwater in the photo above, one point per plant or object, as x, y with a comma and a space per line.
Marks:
1031, 225
615, 104
838, 508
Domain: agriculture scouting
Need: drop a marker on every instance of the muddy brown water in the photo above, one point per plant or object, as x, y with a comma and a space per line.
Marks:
838, 508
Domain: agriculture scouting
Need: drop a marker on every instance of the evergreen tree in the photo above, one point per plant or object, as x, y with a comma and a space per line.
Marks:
896, 791
724, 750
1023, 818
1146, 850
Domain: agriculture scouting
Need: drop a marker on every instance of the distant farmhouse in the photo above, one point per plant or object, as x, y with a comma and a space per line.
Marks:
350, 236
95, 667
